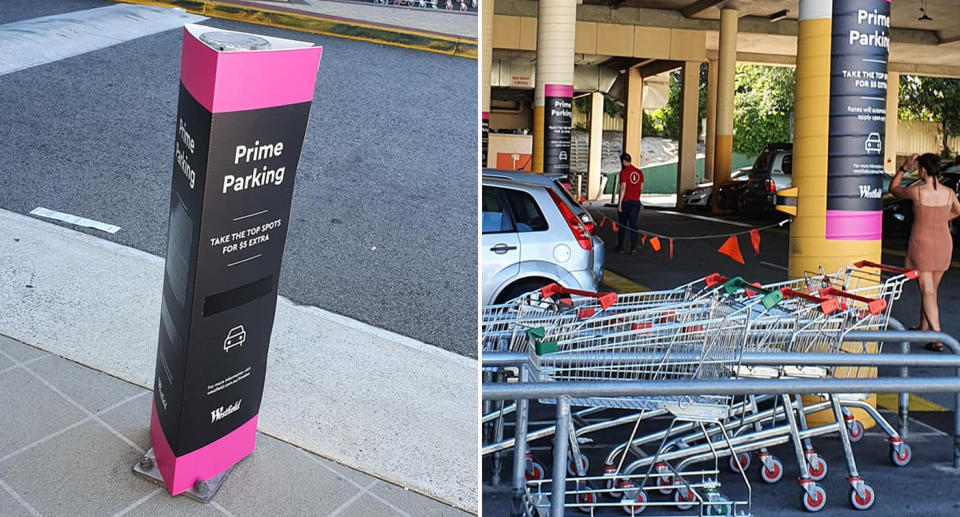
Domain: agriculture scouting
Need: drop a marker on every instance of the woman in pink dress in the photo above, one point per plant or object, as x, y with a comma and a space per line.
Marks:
931, 245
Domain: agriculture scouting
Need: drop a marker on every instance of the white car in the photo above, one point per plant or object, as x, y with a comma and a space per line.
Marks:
531, 238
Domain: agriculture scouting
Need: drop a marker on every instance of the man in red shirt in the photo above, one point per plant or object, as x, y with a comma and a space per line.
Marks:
631, 186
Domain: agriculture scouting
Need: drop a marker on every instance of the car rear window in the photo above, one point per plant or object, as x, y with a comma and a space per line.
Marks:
526, 214
786, 165
495, 218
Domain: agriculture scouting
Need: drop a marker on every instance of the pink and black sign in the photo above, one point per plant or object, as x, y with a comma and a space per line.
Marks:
484, 137
242, 115
860, 46
557, 122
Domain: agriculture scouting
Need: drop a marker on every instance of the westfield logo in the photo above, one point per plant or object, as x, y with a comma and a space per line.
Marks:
221, 412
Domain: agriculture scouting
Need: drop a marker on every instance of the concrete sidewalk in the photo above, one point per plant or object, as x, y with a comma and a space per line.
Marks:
71, 435
382, 403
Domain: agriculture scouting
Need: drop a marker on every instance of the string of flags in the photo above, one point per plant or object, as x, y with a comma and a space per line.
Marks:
730, 246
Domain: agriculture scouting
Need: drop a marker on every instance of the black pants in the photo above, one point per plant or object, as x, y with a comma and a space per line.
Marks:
628, 219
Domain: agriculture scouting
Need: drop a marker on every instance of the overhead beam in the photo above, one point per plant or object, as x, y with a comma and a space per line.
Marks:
659, 67
698, 7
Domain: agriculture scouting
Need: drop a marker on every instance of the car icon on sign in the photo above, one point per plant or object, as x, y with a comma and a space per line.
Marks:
235, 337
873, 144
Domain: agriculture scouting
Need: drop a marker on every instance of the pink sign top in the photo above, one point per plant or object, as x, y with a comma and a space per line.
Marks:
224, 81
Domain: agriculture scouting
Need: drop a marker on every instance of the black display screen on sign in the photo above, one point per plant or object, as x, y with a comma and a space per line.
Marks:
858, 91
557, 120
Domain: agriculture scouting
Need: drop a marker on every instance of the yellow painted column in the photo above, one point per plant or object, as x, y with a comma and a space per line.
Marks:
893, 122
556, 30
486, 65
689, 111
810, 248
726, 76
594, 154
633, 115
711, 137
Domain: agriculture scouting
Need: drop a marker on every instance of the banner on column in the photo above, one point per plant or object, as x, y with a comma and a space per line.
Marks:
237, 146
557, 120
860, 46
484, 137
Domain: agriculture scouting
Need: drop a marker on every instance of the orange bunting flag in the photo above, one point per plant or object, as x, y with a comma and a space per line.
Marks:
655, 243
731, 248
643, 240
671, 248
614, 226
755, 240
603, 220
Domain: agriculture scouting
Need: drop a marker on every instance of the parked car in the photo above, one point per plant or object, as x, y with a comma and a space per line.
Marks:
531, 236
561, 183
772, 171
702, 196
898, 213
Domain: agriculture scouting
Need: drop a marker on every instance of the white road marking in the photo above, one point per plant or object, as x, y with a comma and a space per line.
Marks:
928, 426
771, 264
74, 219
38, 41
708, 218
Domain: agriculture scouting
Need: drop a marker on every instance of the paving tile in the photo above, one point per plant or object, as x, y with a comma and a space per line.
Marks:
367, 506
10, 507
162, 505
413, 503
91, 389
18, 350
29, 410
278, 479
354, 475
132, 419
85, 471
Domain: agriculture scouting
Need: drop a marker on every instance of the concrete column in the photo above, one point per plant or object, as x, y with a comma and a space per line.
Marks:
486, 66
596, 145
710, 140
726, 75
633, 115
893, 121
556, 31
689, 104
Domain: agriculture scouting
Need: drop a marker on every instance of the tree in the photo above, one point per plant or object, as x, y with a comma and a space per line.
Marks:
934, 99
763, 101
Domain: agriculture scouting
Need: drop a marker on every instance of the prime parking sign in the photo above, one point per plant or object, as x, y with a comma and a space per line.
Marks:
243, 109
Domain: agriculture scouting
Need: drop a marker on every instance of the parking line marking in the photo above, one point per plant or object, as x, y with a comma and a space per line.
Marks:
890, 401
622, 284
73, 219
897, 253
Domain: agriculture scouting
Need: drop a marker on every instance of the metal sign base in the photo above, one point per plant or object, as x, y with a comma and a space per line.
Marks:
202, 491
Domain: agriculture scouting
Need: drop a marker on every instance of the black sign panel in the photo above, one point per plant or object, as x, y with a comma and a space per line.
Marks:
557, 120
485, 138
229, 212
858, 90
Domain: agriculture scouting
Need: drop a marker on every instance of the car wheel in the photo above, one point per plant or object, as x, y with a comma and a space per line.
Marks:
520, 288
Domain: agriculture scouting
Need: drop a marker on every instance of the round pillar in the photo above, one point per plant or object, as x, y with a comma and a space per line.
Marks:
553, 95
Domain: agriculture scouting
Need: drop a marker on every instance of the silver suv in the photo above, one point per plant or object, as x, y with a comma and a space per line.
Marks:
532, 237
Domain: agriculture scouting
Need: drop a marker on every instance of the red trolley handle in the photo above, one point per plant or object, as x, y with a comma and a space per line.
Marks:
912, 274
606, 299
874, 305
827, 305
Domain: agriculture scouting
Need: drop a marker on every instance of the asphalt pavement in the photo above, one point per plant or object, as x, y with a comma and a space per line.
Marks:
383, 221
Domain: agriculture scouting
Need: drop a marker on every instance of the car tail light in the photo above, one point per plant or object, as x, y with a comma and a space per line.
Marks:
771, 186
576, 226
587, 222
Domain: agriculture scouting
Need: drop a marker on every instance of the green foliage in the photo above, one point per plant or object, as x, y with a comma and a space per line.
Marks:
933, 99
763, 101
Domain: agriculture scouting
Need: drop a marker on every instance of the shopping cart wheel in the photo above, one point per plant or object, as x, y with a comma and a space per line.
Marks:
817, 467
744, 461
720, 508
862, 502
665, 484
635, 505
816, 501
534, 472
772, 472
855, 429
587, 501
901, 457
684, 497
572, 467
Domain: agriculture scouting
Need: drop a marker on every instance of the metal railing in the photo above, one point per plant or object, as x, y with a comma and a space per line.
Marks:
523, 391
